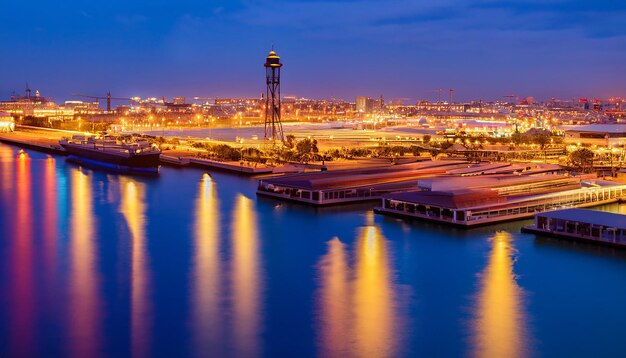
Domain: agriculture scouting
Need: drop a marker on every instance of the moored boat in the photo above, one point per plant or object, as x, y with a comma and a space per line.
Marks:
113, 153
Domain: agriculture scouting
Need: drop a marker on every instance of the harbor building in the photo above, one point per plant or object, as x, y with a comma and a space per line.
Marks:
479, 205
605, 135
346, 186
581, 225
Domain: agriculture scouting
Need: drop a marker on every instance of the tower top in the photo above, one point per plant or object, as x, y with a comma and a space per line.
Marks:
272, 60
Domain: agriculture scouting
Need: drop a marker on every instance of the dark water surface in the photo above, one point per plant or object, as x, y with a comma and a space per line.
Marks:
189, 264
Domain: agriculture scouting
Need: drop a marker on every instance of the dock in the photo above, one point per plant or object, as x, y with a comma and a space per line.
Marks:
40, 146
482, 204
590, 226
231, 167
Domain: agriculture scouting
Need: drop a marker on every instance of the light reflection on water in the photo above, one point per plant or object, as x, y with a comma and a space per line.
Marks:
7, 160
22, 263
133, 208
246, 278
85, 307
95, 263
207, 291
359, 314
50, 214
500, 326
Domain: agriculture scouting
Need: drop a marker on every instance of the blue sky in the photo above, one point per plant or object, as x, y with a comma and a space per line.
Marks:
483, 48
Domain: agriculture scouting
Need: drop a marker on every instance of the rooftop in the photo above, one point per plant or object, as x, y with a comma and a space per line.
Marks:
597, 128
588, 217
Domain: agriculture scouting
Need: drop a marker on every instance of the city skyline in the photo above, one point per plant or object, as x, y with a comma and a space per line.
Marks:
562, 49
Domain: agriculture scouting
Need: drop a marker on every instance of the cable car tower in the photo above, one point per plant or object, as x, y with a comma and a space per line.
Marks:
273, 126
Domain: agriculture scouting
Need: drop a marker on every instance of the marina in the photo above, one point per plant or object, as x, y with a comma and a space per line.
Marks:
598, 227
357, 179
214, 254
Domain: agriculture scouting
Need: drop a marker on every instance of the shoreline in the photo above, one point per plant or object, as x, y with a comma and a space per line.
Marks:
46, 140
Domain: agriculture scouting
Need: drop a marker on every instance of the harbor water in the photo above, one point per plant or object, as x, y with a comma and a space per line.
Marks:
194, 264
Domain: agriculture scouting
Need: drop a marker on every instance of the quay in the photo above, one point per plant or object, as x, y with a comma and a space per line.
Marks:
47, 141
581, 225
231, 167
44, 146
474, 206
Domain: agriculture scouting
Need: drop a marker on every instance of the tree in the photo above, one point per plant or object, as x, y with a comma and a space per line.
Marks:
517, 138
290, 141
426, 138
306, 148
581, 158
538, 136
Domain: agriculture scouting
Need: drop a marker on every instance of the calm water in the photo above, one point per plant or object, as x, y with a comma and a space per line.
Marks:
189, 264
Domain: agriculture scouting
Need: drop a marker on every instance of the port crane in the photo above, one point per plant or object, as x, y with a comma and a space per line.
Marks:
439, 91
107, 97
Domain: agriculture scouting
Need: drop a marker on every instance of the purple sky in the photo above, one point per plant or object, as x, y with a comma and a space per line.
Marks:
483, 49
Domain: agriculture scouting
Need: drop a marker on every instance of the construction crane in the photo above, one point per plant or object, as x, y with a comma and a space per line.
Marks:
439, 91
107, 97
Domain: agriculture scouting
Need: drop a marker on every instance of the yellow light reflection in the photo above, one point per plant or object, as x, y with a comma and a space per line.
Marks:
335, 300
375, 316
7, 158
245, 278
133, 208
500, 324
359, 315
206, 273
84, 281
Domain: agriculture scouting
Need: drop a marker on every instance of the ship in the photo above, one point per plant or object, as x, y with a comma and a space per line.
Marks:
114, 153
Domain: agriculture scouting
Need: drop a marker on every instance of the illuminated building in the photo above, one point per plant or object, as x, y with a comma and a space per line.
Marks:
365, 104
607, 135
6, 122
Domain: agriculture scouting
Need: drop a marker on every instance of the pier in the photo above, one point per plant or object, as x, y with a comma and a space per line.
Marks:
581, 225
480, 206
34, 142
231, 167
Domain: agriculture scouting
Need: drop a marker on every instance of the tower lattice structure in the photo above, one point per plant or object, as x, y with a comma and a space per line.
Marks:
273, 125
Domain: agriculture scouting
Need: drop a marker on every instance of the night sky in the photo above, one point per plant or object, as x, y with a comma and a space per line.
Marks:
483, 49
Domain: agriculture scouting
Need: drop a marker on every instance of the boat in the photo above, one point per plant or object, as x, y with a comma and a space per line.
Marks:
122, 154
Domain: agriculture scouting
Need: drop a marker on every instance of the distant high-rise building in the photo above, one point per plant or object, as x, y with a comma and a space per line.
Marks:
179, 100
361, 104
365, 104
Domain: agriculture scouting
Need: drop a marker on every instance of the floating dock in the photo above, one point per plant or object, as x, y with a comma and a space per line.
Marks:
512, 201
174, 161
581, 225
